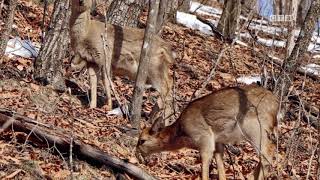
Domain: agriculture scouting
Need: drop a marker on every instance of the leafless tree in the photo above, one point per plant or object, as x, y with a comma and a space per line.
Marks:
184, 5
292, 27
144, 63
292, 62
125, 12
168, 10
48, 65
229, 19
247, 6
8, 27
303, 7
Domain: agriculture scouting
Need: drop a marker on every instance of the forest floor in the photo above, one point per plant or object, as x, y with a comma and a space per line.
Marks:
297, 140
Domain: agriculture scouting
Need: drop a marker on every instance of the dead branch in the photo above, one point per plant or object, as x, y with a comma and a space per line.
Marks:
45, 137
214, 29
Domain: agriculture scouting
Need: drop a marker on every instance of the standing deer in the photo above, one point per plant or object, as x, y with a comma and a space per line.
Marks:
229, 115
124, 47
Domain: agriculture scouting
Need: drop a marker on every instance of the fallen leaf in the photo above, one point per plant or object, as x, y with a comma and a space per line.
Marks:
20, 67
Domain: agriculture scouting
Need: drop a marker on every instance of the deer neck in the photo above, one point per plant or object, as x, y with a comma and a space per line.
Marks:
79, 25
174, 138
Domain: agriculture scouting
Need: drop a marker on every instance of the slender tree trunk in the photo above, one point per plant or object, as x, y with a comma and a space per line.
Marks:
291, 63
125, 12
304, 5
48, 65
184, 5
144, 63
8, 27
278, 7
292, 27
162, 15
248, 6
229, 20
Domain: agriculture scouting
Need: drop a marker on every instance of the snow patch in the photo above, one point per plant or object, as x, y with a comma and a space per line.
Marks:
312, 68
192, 22
116, 111
23, 48
249, 79
266, 42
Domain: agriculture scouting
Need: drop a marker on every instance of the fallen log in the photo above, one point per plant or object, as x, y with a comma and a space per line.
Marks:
62, 143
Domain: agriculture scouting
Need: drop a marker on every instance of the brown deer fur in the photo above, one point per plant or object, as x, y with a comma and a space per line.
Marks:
227, 116
123, 49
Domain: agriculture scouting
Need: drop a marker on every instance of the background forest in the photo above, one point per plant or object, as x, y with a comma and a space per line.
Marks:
49, 131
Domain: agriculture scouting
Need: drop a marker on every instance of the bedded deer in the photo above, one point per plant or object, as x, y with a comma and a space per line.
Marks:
123, 45
227, 116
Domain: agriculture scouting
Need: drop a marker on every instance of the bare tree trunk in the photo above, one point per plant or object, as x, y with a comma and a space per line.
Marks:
184, 5
292, 27
291, 63
48, 65
162, 15
8, 27
278, 7
144, 63
303, 7
247, 6
288, 6
229, 20
125, 12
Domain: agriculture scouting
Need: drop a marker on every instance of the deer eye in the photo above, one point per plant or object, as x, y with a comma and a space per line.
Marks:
141, 141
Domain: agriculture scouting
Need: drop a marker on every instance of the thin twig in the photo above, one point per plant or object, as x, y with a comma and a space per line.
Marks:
44, 20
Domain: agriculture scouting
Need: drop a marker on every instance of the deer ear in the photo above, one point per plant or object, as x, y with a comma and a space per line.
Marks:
157, 126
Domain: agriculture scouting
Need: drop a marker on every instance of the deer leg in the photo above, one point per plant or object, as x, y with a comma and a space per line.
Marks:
218, 155
93, 84
107, 87
265, 149
207, 148
267, 153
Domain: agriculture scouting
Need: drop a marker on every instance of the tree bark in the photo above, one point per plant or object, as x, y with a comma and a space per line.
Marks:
162, 15
8, 28
292, 63
292, 27
125, 12
248, 6
304, 5
184, 5
48, 65
229, 19
144, 63
277, 7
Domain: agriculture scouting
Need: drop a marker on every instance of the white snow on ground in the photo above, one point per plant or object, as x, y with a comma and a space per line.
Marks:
203, 9
249, 79
266, 42
192, 22
267, 28
316, 56
312, 68
116, 111
23, 48
241, 43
